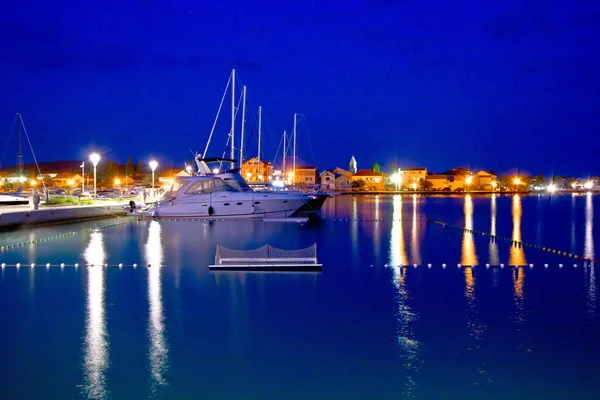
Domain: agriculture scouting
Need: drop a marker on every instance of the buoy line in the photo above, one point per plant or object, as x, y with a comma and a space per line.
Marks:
516, 243
63, 235
77, 265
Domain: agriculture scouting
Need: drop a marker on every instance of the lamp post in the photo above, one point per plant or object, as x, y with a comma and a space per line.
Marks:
153, 164
118, 183
94, 158
82, 177
468, 181
517, 182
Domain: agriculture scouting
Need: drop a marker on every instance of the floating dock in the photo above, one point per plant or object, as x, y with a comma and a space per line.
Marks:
17, 217
267, 258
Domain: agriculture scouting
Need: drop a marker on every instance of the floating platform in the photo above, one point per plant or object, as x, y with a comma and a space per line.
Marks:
268, 267
267, 258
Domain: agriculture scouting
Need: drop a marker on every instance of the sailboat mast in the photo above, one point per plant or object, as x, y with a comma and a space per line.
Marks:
294, 154
232, 117
284, 153
20, 153
259, 132
243, 123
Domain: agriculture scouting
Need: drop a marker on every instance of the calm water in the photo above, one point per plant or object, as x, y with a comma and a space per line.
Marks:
363, 329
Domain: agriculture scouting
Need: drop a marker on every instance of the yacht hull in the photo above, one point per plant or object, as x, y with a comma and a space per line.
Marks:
233, 206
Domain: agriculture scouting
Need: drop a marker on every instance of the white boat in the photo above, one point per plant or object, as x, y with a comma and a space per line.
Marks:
8, 200
204, 196
210, 193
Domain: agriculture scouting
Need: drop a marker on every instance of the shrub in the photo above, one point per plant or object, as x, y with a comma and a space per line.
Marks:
53, 201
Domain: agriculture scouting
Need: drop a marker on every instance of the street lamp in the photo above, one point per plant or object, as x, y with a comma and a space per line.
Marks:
94, 158
153, 164
468, 181
396, 178
82, 177
118, 183
517, 182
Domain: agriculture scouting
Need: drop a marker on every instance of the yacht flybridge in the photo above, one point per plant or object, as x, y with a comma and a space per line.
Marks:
227, 196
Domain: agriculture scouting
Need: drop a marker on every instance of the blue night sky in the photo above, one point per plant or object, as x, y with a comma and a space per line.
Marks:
497, 85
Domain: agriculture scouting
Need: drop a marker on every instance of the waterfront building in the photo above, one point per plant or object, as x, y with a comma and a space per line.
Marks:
337, 179
483, 180
65, 180
255, 170
343, 183
457, 182
373, 180
327, 179
305, 175
439, 182
410, 175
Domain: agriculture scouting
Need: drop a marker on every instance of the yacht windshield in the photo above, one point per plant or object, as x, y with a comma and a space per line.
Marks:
170, 192
206, 186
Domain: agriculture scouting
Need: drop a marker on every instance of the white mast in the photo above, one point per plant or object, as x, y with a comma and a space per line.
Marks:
259, 130
232, 117
242, 134
284, 152
294, 153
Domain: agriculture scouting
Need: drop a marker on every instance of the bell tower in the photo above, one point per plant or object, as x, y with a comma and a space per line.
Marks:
353, 167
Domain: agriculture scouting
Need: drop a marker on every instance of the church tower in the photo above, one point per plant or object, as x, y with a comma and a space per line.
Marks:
353, 168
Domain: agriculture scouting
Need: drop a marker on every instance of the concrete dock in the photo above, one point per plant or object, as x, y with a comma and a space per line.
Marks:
14, 217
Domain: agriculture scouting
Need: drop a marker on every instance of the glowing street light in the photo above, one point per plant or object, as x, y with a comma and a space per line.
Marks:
33, 182
468, 181
552, 188
494, 184
153, 164
588, 185
117, 181
397, 179
95, 158
517, 181
82, 177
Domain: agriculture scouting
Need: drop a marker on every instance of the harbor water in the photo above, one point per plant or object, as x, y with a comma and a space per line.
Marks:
404, 307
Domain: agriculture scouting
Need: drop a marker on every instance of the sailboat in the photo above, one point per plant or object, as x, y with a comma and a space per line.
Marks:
14, 198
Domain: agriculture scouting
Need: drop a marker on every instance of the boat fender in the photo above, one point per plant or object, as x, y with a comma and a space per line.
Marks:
210, 211
131, 205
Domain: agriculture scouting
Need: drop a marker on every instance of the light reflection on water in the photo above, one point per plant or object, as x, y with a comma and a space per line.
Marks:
493, 246
415, 240
96, 340
158, 351
397, 247
468, 246
517, 254
588, 252
410, 348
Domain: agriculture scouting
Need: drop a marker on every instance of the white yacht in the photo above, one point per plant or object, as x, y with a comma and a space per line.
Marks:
227, 196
